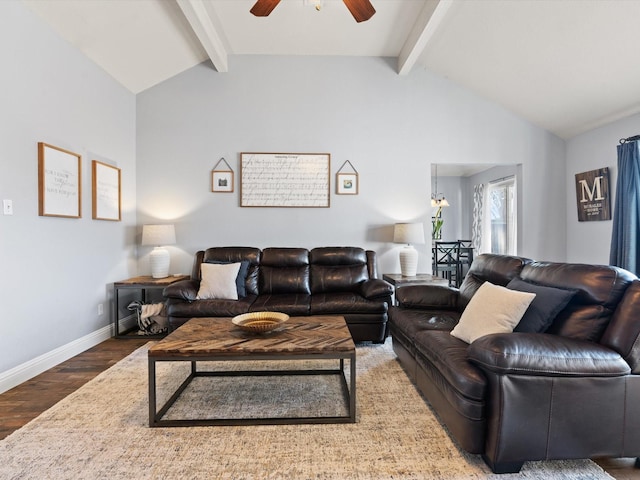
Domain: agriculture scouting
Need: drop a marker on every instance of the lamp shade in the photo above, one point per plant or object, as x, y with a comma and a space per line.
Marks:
408, 233
157, 235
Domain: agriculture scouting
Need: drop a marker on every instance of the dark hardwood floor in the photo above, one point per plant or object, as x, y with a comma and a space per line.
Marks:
26, 401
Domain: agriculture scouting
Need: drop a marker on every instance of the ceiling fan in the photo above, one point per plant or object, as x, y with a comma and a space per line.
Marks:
362, 10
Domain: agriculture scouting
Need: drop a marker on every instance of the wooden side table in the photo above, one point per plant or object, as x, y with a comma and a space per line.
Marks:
145, 284
398, 281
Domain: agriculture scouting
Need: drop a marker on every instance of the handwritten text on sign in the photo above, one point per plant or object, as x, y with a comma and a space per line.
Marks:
106, 191
59, 172
285, 180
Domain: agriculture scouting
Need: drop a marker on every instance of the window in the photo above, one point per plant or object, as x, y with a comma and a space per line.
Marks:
502, 209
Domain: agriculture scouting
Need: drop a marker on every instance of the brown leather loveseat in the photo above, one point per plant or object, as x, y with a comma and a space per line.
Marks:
567, 388
296, 281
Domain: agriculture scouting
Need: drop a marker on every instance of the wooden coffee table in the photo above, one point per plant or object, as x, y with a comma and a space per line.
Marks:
217, 339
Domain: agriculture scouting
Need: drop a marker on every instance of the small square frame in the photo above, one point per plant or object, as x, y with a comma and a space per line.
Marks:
347, 184
222, 180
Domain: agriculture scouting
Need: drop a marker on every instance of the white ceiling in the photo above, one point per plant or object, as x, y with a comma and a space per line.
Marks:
565, 65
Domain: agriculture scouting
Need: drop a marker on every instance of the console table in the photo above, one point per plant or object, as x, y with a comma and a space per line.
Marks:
145, 284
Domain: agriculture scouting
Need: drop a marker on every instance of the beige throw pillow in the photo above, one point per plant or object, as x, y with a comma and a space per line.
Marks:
218, 281
493, 309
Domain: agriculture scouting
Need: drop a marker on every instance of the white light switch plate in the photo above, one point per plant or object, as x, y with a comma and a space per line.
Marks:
7, 207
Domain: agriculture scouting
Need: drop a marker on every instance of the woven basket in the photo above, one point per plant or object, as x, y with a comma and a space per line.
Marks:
260, 322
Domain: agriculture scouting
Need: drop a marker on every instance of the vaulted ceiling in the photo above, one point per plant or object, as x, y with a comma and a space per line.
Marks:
565, 65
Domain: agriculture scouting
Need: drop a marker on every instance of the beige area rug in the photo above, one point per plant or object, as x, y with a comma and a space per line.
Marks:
101, 432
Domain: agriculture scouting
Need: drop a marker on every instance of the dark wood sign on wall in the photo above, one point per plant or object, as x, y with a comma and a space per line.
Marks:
593, 195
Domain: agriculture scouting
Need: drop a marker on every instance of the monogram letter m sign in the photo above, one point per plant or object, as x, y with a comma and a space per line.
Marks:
592, 192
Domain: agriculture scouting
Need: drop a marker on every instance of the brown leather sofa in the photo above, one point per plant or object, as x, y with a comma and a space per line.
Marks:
571, 391
296, 281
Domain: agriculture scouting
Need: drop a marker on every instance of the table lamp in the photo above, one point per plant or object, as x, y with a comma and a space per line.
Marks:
409, 233
158, 236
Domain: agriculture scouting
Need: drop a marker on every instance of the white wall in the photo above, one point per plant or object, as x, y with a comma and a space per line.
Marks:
167, 139
55, 271
590, 242
390, 127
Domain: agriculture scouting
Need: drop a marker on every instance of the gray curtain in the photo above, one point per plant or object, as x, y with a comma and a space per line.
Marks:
626, 217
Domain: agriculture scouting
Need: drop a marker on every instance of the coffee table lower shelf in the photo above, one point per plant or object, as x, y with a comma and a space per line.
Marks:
348, 390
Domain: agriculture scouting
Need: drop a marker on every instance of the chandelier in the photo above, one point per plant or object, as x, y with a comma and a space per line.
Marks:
437, 199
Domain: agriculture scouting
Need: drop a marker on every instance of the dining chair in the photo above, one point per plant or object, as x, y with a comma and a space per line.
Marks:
446, 262
465, 257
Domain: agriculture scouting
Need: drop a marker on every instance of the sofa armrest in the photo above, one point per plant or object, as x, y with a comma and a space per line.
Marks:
427, 297
375, 288
545, 355
182, 290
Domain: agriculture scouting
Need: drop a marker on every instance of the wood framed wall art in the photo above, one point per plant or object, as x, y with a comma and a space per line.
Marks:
222, 178
347, 182
284, 180
59, 185
106, 191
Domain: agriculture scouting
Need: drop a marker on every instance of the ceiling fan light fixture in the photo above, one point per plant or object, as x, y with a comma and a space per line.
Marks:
362, 10
317, 4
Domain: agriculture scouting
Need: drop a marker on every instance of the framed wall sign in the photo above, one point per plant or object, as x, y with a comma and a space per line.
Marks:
284, 179
106, 191
593, 195
59, 185
222, 178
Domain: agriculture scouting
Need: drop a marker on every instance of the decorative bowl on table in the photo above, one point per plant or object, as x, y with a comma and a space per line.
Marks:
260, 322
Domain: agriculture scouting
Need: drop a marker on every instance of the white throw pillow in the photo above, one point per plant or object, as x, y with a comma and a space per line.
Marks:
218, 281
493, 309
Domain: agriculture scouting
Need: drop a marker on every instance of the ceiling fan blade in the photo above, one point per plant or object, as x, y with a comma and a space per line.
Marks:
362, 10
263, 8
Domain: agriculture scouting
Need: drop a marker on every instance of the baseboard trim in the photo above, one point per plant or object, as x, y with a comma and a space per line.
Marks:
21, 373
